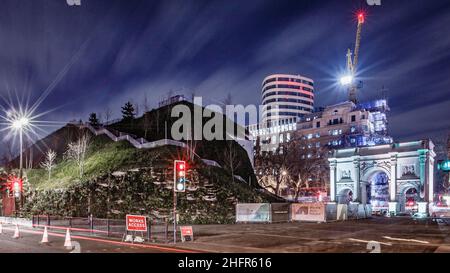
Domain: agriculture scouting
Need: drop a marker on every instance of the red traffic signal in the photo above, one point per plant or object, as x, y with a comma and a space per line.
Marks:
179, 176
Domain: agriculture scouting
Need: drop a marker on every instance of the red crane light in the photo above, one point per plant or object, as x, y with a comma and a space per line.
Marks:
360, 17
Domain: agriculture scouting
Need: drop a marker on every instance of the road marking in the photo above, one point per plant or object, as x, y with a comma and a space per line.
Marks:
406, 240
371, 241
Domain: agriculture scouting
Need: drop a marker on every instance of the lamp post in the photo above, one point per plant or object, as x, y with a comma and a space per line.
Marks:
20, 123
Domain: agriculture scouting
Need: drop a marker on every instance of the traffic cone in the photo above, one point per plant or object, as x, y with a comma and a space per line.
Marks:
16, 233
45, 236
68, 242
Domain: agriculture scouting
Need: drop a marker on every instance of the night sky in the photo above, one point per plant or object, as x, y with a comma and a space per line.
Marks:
106, 52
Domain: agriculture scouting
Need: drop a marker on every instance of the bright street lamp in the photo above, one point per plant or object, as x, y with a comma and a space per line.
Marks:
346, 80
20, 123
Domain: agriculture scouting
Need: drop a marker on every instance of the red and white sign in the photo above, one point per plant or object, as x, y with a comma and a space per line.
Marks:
187, 234
136, 223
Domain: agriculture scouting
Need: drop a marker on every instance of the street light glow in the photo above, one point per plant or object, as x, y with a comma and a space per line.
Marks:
346, 80
20, 123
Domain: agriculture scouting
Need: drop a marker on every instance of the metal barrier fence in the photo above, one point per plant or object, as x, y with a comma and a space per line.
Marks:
158, 229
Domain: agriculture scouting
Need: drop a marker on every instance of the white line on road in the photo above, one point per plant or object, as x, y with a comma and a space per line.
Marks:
364, 241
405, 240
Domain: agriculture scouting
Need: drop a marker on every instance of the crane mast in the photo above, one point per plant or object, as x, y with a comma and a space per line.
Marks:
352, 64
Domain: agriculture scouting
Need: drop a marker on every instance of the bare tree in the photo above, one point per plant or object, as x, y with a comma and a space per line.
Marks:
137, 109
272, 169
298, 165
191, 146
77, 151
232, 160
108, 114
49, 162
145, 104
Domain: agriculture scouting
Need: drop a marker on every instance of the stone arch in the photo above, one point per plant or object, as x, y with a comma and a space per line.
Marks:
372, 171
375, 193
402, 193
344, 194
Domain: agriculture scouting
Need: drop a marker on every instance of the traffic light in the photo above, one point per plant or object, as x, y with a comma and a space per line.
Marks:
180, 176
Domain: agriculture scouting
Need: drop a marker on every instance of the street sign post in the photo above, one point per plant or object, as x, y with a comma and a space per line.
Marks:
187, 234
136, 223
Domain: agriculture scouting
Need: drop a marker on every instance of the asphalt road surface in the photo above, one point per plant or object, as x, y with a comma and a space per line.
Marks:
29, 242
378, 234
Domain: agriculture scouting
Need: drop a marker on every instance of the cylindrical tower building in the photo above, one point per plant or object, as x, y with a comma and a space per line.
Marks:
286, 96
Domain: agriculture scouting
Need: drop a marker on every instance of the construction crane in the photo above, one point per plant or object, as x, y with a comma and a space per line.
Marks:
352, 64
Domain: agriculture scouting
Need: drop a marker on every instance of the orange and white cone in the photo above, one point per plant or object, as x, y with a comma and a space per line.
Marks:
68, 242
45, 236
16, 233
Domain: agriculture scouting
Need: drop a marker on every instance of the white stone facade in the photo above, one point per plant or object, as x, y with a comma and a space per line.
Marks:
407, 165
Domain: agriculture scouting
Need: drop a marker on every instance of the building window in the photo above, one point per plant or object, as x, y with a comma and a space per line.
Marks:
363, 117
309, 136
353, 118
317, 144
317, 135
352, 129
281, 138
318, 124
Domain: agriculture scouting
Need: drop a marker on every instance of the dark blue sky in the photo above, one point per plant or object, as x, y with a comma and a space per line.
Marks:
116, 50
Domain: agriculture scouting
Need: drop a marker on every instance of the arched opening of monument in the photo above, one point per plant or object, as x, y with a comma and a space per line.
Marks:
411, 198
378, 191
345, 196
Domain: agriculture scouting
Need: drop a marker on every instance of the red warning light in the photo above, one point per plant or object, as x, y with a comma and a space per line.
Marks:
360, 17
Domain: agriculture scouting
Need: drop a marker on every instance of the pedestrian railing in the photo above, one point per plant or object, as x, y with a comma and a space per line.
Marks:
158, 229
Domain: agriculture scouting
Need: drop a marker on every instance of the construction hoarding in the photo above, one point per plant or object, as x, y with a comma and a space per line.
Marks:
253, 212
280, 212
314, 212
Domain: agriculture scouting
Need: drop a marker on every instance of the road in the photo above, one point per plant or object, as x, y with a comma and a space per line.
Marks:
380, 234
30, 238
396, 234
